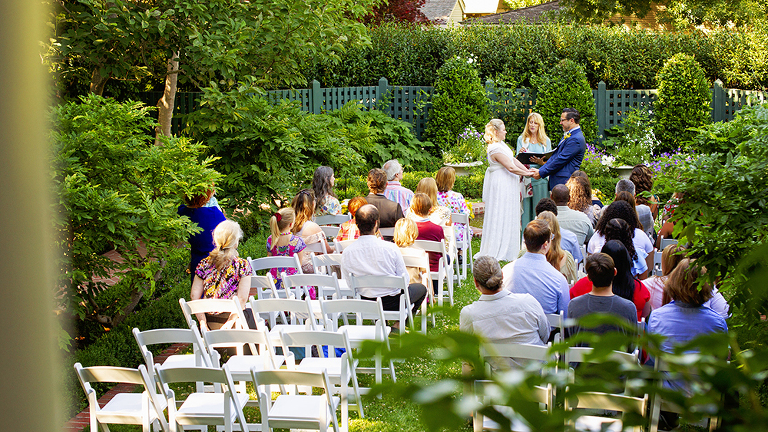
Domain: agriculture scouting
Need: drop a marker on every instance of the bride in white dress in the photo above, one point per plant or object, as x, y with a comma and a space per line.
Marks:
502, 195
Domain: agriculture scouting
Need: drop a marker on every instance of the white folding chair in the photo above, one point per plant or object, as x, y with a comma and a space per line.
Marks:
657, 254
358, 331
199, 357
263, 287
465, 246
600, 400
332, 219
277, 262
330, 231
444, 270
231, 306
324, 265
327, 288
293, 410
341, 245
387, 232
658, 403
123, 408
404, 314
557, 321
341, 370
223, 407
318, 248
544, 395
423, 262
301, 316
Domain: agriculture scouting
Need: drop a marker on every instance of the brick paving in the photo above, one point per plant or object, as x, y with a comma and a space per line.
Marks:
82, 419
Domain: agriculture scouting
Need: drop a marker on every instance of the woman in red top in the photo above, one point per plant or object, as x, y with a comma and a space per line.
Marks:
420, 206
624, 284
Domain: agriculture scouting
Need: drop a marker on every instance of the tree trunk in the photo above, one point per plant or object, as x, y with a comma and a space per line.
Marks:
166, 103
98, 82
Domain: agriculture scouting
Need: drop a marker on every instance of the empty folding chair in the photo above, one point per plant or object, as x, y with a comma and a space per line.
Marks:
123, 408
341, 370
199, 357
444, 270
301, 315
263, 287
223, 407
404, 314
330, 264
327, 287
332, 219
357, 330
388, 232
294, 410
281, 264
465, 246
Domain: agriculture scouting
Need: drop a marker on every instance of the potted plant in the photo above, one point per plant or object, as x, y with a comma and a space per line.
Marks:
469, 151
631, 143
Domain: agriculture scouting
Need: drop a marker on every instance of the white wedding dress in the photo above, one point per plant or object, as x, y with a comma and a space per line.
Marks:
502, 197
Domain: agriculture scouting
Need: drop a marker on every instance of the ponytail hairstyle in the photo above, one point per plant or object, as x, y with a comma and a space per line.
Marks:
226, 237
279, 221
487, 273
492, 130
304, 206
555, 253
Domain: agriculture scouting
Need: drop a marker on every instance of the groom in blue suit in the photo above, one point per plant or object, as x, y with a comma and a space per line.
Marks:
569, 153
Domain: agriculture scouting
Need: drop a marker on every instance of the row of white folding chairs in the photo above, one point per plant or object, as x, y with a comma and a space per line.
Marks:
222, 407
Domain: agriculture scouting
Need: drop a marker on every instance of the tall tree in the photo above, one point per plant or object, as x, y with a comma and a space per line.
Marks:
178, 42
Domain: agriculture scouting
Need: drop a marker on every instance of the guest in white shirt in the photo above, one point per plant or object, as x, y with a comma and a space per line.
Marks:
369, 255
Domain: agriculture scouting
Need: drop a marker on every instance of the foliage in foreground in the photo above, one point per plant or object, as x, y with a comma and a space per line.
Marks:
116, 190
724, 212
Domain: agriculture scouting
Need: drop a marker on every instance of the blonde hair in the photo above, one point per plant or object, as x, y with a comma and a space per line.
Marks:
406, 232
555, 253
683, 285
226, 236
670, 258
492, 129
304, 206
287, 217
445, 178
428, 186
421, 204
541, 134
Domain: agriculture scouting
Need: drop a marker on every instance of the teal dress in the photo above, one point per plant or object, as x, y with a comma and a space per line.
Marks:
540, 187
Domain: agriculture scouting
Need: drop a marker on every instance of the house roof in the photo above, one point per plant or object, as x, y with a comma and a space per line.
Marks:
531, 13
481, 6
438, 11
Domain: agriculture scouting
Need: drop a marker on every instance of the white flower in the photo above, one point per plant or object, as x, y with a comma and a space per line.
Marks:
607, 160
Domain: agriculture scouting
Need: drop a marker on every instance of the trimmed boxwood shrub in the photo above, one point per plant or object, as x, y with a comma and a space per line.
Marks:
683, 101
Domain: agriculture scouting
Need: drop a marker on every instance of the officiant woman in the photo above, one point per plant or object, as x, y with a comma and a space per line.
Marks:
533, 140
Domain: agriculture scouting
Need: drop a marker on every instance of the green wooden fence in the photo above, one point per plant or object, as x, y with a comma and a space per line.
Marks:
412, 103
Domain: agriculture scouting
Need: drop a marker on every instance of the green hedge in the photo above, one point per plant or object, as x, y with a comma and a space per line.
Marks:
511, 54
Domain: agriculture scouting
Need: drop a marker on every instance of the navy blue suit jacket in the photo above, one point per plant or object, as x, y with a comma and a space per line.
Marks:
566, 159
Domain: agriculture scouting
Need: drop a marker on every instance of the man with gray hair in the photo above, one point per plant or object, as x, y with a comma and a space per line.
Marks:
394, 191
643, 211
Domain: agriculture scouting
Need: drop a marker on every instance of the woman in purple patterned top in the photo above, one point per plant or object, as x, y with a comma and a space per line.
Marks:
445, 178
223, 275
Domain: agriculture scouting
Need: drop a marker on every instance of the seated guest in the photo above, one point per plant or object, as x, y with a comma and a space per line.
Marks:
197, 209
370, 256
223, 275
581, 197
560, 259
439, 215
501, 316
717, 302
568, 240
643, 211
534, 275
406, 233
670, 258
601, 298
282, 242
428, 230
625, 285
595, 200
622, 210
575, 221
304, 206
618, 229
642, 178
454, 201
348, 230
322, 185
394, 191
390, 211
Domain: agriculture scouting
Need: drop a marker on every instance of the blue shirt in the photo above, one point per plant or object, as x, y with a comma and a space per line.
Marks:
569, 242
533, 274
681, 322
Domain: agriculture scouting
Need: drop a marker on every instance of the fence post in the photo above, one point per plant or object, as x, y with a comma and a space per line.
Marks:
718, 102
601, 109
381, 93
316, 98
